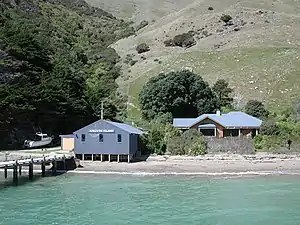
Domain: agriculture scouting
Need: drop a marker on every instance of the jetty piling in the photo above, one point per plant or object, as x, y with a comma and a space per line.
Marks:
17, 165
5, 172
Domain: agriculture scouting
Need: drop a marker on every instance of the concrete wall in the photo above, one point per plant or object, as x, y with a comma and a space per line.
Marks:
67, 143
109, 144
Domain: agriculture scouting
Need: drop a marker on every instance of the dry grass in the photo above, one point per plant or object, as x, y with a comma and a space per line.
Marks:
261, 60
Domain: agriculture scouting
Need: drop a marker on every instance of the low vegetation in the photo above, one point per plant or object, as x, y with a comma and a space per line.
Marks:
185, 40
141, 25
226, 18
143, 47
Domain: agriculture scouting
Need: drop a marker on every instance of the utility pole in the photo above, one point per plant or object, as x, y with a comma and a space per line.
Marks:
101, 110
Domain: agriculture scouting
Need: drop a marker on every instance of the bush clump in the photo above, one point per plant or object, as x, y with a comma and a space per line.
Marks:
141, 48
210, 8
269, 127
190, 143
142, 24
226, 18
185, 40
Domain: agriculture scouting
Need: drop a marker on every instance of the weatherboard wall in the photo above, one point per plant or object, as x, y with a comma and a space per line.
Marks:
110, 144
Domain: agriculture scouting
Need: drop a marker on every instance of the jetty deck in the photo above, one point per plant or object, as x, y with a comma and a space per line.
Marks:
17, 165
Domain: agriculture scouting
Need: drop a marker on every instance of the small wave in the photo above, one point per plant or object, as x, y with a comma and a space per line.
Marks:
251, 173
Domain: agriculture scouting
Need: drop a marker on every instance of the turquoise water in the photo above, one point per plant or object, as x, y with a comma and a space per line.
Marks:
80, 200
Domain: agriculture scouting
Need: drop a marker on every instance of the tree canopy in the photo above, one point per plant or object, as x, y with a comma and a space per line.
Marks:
223, 92
256, 108
183, 94
56, 66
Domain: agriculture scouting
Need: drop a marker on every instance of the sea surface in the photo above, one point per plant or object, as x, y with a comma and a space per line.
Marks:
142, 200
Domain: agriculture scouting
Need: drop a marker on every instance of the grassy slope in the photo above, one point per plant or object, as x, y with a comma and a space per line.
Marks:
260, 61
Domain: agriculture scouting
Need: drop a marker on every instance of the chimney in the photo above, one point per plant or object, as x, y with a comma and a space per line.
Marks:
218, 113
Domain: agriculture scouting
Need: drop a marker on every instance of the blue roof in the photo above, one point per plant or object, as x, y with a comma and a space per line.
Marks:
229, 120
123, 126
126, 127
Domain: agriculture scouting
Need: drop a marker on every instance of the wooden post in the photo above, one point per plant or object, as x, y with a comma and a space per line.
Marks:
15, 172
118, 160
54, 166
92, 157
101, 158
20, 170
64, 162
30, 172
109, 158
5, 172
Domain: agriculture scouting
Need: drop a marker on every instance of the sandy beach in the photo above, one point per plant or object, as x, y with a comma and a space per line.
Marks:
210, 165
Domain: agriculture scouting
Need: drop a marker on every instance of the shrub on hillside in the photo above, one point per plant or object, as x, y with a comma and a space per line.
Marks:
169, 43
141, 48
269, 127
185, 40
210, 8
142, 24
226, 18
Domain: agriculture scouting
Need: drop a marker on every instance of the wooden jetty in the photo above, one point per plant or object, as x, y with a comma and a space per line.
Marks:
43, 161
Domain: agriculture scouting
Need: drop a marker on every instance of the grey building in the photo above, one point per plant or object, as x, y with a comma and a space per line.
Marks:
105, 140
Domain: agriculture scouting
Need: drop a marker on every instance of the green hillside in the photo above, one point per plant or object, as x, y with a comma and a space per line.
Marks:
56, 67
258, 54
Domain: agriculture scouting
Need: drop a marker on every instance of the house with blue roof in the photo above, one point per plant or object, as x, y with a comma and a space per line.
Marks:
219, 125
105, 140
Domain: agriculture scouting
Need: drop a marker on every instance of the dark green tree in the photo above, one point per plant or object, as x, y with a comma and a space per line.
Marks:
256, 108
223, 92
182, 93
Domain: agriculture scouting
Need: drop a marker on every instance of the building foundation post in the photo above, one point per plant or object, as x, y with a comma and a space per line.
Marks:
240, 133
101, 158
5, 172
118, 159
128, 158
109, 158
92, 157
256, 131
83, 157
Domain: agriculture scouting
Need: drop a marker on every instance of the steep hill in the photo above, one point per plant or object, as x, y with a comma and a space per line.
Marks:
258, 54
56, 67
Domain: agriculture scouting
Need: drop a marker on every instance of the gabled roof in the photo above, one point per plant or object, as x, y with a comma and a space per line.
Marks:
123, 126
229, 120
126, 127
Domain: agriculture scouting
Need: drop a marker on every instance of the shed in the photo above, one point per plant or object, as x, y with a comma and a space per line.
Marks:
105, 140
67, 142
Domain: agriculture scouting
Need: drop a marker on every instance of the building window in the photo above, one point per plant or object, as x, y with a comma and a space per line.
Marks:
83, 137
119, 138
100, 137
